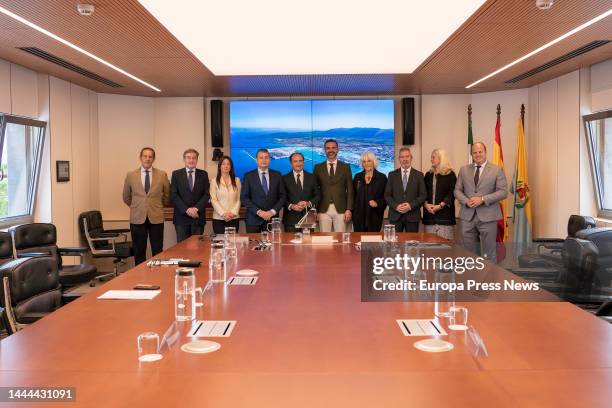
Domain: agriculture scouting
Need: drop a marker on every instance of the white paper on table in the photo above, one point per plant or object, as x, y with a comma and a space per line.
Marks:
242, 280
130, 294
371, 238
421, 327
212, 328
322, 239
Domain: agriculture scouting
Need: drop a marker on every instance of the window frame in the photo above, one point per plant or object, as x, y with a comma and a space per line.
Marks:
37, 155
586, 119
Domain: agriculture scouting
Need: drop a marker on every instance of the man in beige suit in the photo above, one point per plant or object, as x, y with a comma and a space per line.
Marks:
146, 190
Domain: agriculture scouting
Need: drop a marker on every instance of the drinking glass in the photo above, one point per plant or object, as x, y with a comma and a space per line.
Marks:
265, 236
216, 266
199, 297
389, 233
458, 318
297, 237
346, 237
148, 347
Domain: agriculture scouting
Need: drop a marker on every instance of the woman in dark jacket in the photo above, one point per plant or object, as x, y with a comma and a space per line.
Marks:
439, 209
369, 206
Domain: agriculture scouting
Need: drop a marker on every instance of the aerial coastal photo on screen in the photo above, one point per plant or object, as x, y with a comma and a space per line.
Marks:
284, 127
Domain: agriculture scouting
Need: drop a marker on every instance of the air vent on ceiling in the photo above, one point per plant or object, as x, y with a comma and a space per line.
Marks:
68, 65
578, 51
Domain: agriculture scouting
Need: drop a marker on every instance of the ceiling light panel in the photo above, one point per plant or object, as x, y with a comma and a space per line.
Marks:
289, 37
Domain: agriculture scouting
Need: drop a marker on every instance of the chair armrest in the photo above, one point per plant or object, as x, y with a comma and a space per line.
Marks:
27, 318
117, 230
73, 251
32, 254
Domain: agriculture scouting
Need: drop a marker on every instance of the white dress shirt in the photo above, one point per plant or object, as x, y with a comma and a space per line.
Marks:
335, 163
301, 173
482, 166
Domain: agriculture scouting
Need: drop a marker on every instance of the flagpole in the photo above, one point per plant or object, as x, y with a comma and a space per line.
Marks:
470, 141
523, 116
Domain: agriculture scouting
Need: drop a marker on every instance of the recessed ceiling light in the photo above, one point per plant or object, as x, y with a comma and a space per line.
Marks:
75, 47
553, 42
280, 37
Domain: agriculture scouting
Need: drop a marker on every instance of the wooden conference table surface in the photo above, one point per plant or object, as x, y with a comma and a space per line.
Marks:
304, 339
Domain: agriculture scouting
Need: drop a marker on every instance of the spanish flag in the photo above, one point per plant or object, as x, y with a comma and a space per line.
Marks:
521, 216
498, 159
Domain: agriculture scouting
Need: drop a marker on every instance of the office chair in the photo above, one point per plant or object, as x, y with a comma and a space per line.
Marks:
30, 290
103, 243
40, 239
6, 247
550, 250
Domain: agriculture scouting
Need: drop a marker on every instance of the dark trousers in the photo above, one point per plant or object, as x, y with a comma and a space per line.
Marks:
403, 225
140, 233
250, 229
186, 230
219, 225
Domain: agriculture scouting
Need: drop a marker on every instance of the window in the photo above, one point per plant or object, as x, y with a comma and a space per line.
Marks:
21, 142
599, 139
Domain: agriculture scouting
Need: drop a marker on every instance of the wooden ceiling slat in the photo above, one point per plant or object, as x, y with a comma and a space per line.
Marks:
126, 35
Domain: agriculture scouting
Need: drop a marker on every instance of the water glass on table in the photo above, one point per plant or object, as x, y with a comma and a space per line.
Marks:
458, 318
148, 347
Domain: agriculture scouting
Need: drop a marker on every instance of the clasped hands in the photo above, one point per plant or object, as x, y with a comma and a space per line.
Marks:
192, 212
403, 208
266, 215
475, 202
300, 206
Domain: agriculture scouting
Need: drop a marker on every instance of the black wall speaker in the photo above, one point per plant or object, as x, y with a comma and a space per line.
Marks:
408, 110
216, 122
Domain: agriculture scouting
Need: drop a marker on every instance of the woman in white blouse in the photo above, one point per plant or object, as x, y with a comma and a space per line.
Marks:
225, 196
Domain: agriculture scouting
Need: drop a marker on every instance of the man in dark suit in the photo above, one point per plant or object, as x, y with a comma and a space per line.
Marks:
262, 193
336, 183
190, 195
302, 192
405, 193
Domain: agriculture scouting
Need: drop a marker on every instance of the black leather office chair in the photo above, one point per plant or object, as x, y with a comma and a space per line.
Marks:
41, 239
103, 243
6, 247
550, 249
30, 290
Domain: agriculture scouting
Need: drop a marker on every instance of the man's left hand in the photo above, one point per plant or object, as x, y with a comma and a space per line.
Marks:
347, 215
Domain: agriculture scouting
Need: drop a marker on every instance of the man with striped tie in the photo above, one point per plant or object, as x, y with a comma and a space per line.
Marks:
263, 193
190, 195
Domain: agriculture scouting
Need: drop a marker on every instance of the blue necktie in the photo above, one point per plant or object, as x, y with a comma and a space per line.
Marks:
264, 183
190, 179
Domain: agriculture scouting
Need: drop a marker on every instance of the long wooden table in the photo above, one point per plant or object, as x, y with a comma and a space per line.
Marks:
304, 339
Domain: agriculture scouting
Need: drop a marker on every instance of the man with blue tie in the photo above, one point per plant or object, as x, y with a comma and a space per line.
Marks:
190, 195
146, 191
263, 193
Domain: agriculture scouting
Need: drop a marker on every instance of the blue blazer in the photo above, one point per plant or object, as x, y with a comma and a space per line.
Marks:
183, 198
254, 198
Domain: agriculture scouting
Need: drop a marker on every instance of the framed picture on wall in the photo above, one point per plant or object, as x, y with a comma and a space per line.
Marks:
62, 170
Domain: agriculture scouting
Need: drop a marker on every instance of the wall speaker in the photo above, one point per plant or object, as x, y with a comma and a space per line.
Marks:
216, 122
408, 110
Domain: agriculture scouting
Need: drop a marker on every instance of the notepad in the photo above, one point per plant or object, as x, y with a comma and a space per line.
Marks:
421, 328
212, 328
130, 294
165, 262
242, 280
371, 238
322, 239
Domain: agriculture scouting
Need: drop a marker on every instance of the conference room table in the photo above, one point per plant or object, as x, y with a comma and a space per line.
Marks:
303, 338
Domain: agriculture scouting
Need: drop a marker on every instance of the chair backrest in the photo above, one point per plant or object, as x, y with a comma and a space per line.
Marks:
90, 226
580, 257
36, 237
578, 223
34, 285
6, 247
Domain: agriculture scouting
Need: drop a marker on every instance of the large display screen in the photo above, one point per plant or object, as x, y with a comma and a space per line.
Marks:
284, 127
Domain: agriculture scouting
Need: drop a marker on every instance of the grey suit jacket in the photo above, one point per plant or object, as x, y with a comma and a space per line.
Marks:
492, 187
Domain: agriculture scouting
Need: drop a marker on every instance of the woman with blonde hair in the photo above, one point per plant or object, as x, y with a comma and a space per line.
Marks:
439, 209
370, 204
